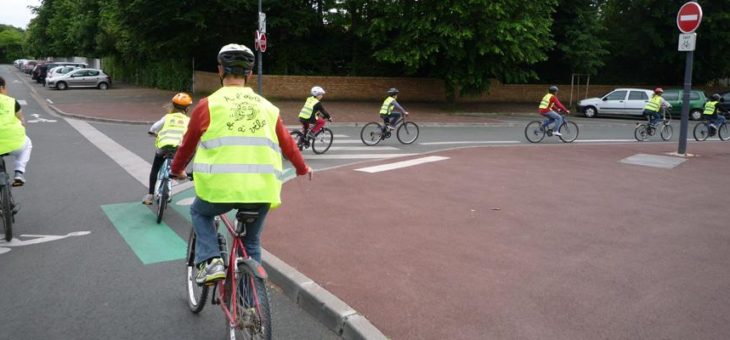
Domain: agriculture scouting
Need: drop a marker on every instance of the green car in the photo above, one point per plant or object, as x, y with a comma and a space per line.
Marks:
697, 100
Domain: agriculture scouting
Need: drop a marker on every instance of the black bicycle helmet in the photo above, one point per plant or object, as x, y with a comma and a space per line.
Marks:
236, 59
716, 97
553, 89
393, 91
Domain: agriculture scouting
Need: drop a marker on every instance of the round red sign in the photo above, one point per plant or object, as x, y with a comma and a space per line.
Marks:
689, 17
262, 42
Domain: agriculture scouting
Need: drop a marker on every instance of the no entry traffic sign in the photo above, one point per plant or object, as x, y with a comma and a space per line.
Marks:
689, 17
260, 41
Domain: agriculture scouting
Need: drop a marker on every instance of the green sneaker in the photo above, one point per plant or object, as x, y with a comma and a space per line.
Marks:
208, 273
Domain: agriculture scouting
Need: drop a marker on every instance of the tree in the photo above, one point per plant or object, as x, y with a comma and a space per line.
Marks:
465, 43
11, 43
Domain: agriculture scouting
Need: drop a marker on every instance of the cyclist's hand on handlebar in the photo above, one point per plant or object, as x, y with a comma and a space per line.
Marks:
180, 176
151, 133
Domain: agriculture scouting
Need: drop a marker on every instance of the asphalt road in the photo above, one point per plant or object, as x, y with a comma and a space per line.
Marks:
71, 275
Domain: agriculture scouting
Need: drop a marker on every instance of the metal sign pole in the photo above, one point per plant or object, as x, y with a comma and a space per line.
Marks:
685, 104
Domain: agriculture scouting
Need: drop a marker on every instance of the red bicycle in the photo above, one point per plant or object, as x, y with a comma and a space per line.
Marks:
242, 294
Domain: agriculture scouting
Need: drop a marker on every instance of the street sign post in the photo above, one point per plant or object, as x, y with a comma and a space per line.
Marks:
688, 20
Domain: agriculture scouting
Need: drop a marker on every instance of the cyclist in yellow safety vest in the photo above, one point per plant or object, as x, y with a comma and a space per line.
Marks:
548, 107
711, 112
13, 139
390, 110
169, 131
238, 139
313, 106
654, 106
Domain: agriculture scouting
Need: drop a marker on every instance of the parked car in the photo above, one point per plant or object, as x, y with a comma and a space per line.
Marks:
43, 69
28, 66
697, 100
84, 77
58, 71
621, 101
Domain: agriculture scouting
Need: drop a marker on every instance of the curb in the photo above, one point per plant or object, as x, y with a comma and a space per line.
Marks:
98, 119
324, 306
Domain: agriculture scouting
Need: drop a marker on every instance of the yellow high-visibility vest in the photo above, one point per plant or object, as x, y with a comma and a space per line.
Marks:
387, 108
545, 102
308, 108
171, 134
654, 104
710, 108
238, 159
12, 131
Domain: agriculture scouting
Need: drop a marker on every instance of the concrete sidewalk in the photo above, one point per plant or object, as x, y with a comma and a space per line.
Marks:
125, 103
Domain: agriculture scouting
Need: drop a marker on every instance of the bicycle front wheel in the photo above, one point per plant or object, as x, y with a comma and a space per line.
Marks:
371, 133
724, 132
196, 293
666, 132
407, 132
534, 132
569, 131
6, 211
162, 198
322, 141
641, 133
701, 132
253, 314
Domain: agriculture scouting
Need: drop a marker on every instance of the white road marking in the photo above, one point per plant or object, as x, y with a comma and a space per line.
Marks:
49, 101
340, 136
22, 102
473, 142
363, 148
358, 156
604, 140
347, 141
38, 119
36, 239
403, 164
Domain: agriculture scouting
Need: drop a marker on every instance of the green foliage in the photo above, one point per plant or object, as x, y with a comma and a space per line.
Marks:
166, 74
11, 43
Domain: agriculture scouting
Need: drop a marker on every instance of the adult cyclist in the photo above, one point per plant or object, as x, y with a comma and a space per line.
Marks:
547, 108
13, 139
238, 139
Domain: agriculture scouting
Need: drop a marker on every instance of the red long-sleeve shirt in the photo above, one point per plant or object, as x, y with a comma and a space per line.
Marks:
553, 102
199, 122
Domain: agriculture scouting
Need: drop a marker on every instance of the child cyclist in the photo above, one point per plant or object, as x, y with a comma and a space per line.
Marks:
169, 131
390, 111
711, 113
547, 109
308, 113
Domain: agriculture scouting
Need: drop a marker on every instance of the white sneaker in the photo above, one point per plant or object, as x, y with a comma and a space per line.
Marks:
557, 133
147, 199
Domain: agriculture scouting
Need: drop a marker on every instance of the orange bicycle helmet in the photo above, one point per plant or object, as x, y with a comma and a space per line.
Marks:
182, 100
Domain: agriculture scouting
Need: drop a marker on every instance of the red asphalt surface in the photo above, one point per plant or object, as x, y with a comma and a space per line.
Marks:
521, 242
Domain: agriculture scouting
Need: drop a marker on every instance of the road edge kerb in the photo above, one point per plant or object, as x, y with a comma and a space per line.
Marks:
98, 119
324, 306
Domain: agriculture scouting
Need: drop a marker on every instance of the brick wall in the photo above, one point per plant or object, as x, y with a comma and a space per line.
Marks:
412, 89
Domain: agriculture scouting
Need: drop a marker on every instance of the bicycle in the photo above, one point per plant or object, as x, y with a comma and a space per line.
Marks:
644, 130
320, 142
703, 130
536, 130
373, 133
163, 187
242, 295
7, 212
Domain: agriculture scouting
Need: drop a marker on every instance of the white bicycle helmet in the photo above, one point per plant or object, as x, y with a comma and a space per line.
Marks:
236, 59
317, 90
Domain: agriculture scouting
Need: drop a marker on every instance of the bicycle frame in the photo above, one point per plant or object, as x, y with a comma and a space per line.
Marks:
231, 270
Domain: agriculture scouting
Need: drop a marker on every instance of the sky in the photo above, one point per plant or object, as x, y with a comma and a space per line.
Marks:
16, 12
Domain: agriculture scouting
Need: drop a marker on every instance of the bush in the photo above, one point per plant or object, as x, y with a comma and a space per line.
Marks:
173, 75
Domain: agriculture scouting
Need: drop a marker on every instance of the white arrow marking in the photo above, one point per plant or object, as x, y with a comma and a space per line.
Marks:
36, 239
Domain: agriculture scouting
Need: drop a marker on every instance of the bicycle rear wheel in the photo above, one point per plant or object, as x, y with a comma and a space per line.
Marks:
371, 133
297, 136
6, 211
162, 198
569, 131
534, 132
666, 132
407, 132
253, 317
322, 141
196, 293
641, 133
701, 132
724, 132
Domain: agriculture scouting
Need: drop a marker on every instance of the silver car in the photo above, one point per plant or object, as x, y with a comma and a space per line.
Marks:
622, 101
85, 77
57, 72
